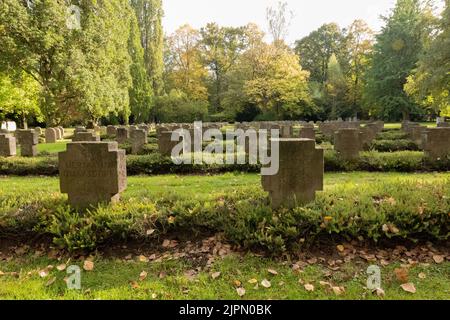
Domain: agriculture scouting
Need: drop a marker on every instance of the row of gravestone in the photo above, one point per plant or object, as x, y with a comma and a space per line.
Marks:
434, 141
27, 139
166, 145
53, 135
92, 173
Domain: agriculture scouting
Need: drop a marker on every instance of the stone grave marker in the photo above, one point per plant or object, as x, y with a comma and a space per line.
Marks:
92, 173
8, 146
300, 174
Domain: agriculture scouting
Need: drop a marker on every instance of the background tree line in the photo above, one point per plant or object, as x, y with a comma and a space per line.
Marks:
117, 66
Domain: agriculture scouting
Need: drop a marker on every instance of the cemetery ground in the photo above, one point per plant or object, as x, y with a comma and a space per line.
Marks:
215, 237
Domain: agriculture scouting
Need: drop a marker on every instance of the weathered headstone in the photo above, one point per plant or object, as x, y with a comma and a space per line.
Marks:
80, 129
111, 131
443, 125
415, 133
308, 133
8, 146
38, 130
92, 173
58, 134
61, 130
89, 136
436, 143
347, 144
122, 135
287, 131
29, 141
366, 135
50, 135
138, 140
300, 173
165, 144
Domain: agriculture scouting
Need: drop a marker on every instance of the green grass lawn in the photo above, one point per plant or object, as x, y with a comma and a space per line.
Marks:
49, 148
115, 278
399, 125
180, 279
207, 187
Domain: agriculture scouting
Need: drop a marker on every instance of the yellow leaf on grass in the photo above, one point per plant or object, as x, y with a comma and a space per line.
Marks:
88, 265
272, 272
61, 267
266, 283
143, 275
309, 287
438, 259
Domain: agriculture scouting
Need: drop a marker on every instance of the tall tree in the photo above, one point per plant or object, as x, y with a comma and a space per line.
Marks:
150, 14
220, 48
395, 55
141, 92
19, 94
184, 66
83, 70
336, 89
359, 43
430, 82
316, 49
275, 81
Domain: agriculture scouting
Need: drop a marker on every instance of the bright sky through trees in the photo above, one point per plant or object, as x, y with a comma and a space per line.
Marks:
309, 15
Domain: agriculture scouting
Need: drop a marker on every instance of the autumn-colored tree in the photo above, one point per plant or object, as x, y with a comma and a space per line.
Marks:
184, 67
359, 43
276, 81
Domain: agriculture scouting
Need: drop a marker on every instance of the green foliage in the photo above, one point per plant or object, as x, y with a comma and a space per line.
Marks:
390, 209
19, 94
316, 49
149, 14
336, 89
141, 92
394, 145
177, 107
395, 55
83, 71
220, 47
275, 81
430, 82
150, 162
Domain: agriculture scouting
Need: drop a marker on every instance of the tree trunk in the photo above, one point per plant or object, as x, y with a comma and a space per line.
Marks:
25, 122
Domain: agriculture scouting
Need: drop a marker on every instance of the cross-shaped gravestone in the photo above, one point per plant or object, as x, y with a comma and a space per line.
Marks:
300, 175
92, 173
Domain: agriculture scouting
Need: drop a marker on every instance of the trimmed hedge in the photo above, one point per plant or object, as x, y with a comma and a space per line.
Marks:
154, 164
408, 210
394, 145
